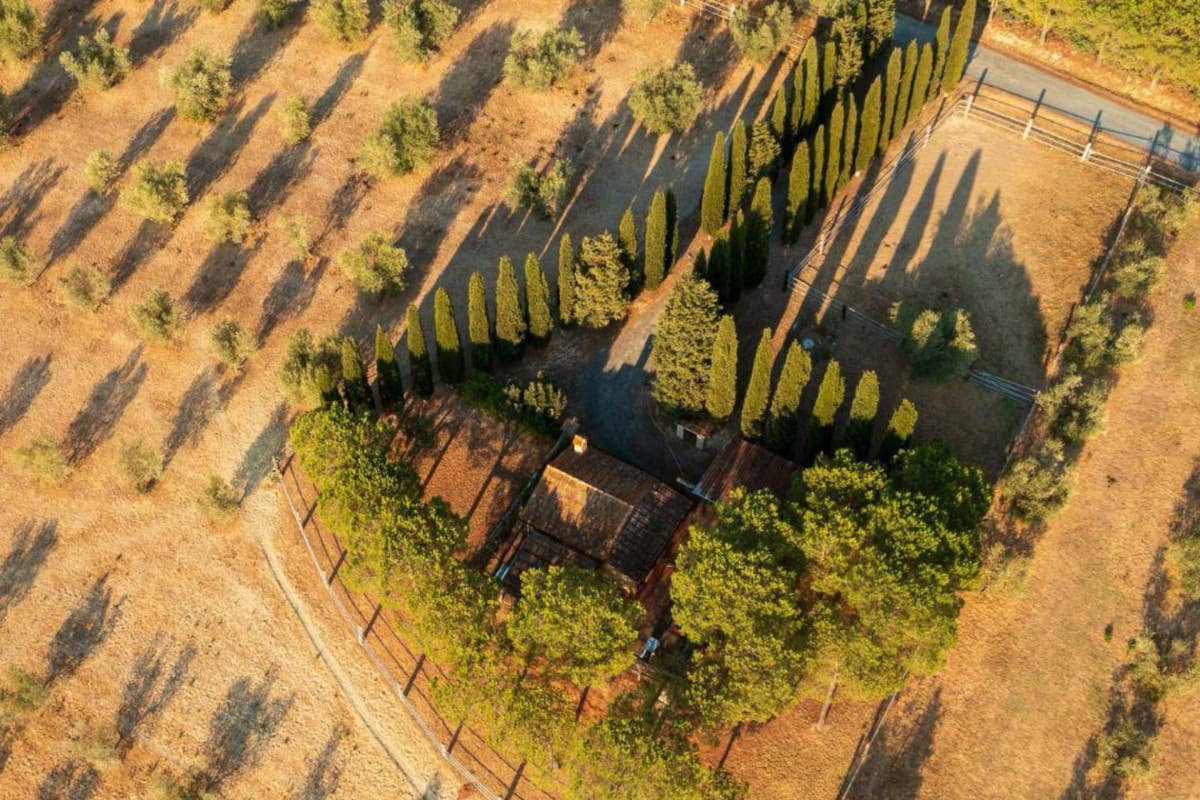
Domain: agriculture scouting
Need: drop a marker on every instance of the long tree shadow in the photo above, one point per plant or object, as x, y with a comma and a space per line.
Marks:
596, 20
470, 81
26, 385
163, 22
149, 237
435, 206
199, 402
218, 151
72, 780
149, 687
94, 422
709, 48
257, 462
255, 49
343, 203
26, 555
84, 629
291, 293
325, 769
891, 769
48, 86
219, 273
18, 205
240, 729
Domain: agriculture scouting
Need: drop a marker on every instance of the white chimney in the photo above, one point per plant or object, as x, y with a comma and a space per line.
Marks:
579, 443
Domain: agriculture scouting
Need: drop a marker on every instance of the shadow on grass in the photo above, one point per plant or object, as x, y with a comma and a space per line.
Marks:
94, 422
149, 687
30, 547
26, 385
84, 629
72, 780
240, 729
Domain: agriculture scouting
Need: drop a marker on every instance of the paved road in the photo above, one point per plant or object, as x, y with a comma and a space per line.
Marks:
1182, 147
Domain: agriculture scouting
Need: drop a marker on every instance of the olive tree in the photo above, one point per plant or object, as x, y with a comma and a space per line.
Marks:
376, 267
665, 98
404, 140
201, 85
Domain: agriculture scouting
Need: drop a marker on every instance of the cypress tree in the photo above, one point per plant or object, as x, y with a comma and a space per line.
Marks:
920, 92
956, 58
807, 91
712, 203
907, 74
510, 317
829, 399
779, 117
719, 267
833, 154
479, 327
759, 223
848, 141
354, 376
754, 404
628, 239
828, 72
672, 231
737, 257
799, 190
418, 355
566, 280
868, 130
863, 409
445, 334
537, 298
387, 371
700, 265
738, 149
941, 49
891, 87
785, 402
899, 431
721, 396
655, 257
817, 199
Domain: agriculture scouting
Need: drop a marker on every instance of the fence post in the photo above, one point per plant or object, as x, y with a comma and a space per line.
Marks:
1087, 148
971, 97
1033, 114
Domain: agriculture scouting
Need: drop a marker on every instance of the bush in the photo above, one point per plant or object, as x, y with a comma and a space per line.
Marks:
276, 13
376, 267
141, 464
538, 406
14, 261
158, 191
22, 694
404, 140
939, 344
295, 232
539, 62
201, 85
343, 21
296, 125
230, 343
665, 98
645, 11
85, 287
420, 27
100, 171
1036, 484
219, 497
1136, 271
759, 37
227, 217
312, 370
6, 121
158, 318
20, 30
546, 192
214, 6
99, 62
43, 459
1074, 408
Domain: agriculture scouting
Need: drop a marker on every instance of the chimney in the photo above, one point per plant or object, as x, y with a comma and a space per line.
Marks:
579, 443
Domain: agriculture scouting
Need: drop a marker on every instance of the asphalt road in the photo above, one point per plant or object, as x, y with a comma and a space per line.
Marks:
1143, 130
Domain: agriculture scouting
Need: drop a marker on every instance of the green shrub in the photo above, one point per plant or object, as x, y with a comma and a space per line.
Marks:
1136, 271
296, 125
1189, 302
214, 6
14, 261
141, 465
276, 13
43, 459
85, 287
645, 11
420, 27
22, 694
537, 406
201, 85
540, 61
230, 343
158, 191
158, 318
99, 62
665, 98
938, 344
544, 192
100, 171
759, 36
227, 217
295, 232
1037, 484
20, 30
376, 267
1075, 409
218, 496
342, 21
404, 140
311, 371
6, 121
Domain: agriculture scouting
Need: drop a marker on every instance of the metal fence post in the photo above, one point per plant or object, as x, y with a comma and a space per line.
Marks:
1033, 114
1087, 148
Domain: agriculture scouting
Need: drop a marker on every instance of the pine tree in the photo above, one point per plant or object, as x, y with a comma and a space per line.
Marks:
354, 376
779, 117
737, 256
785, 402
829, 399
817, 199
759, 223
920, 92
899, 431
941, 50
479, 327
738, 149
863, 409
510, 316
656, 246
956, 58
445, 333
712, 203
868, 131
833, 154
721, 396
418, 355
566, 280
387, 372
537, 298
849, 140
754, 404
891, 88
628, 239
672, 231
907, 74
881, 24
683, 343
719, 266
799, 190
806, 90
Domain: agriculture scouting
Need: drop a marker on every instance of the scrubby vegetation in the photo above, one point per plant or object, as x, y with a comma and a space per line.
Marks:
420, 27
230, 343
141, 465
85, 287
227, 217
43, 460
201, 85
296, 124
159, 318
14, 261
342, 21
97, 62
312, 369
665, 98
20, 30
276, 13
376, 267
404, 141
100, 171
545, 192
539, 62
939, 344
157, 191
